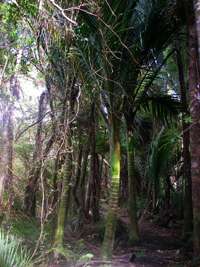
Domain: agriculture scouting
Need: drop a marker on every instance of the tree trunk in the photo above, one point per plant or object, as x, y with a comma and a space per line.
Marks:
132, 207
95, 188
6, 142
188, 215
64, 198
109, 236
82, 187
93, 192
194, 91
9, 152
167, 193
124, 181
57, 167
197, 13
2, 156
78, 174
31, 188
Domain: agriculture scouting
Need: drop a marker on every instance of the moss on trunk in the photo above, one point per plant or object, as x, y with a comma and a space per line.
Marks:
111, 219
63, 205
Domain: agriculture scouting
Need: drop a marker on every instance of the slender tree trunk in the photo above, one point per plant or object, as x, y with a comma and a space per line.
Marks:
132, 205
2, 157
188, 214
197, 13
194, 91
64, 198
31, 188
88, 198
6, 142
95, 188
167, 193
78, 174
124, 180
57, 167
82, 188
111, 220
9, 152
92, 200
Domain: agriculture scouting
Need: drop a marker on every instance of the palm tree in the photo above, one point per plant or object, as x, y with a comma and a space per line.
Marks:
113, 45
188, 216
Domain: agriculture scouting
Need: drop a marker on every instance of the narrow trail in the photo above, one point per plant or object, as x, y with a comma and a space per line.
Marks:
159, 246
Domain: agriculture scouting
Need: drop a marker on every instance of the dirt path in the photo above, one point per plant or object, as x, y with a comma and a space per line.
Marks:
159, 247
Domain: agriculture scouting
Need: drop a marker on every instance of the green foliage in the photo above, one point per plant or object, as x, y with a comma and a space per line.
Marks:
102, 143
24, 150
12, 253
163, 107
26, 228
158, 20
163, 150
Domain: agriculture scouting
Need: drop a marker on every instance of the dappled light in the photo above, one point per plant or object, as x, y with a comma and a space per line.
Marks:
100, 133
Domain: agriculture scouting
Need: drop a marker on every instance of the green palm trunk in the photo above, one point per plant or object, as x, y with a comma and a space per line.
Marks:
109, 236
132, 208
63, 205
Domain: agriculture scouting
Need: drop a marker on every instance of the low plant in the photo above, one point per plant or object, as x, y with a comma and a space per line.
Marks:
12, 254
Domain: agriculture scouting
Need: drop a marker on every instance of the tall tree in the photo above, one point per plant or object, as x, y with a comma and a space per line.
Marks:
188, 216
35, 172
194, 91
197, 13
118, 28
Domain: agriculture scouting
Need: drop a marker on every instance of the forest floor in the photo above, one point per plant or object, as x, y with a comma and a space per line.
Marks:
159, 246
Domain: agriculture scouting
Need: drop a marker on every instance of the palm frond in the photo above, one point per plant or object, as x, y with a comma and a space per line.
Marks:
158, 20
162, 107
162, 151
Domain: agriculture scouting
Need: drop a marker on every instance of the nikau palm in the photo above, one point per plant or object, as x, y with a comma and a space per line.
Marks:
116, 32
111, 71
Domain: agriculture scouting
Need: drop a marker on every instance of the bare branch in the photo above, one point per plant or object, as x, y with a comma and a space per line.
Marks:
63, 13
31, 125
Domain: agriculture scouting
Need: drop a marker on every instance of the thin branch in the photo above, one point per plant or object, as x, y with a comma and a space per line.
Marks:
63, 13
30, 126
3, 71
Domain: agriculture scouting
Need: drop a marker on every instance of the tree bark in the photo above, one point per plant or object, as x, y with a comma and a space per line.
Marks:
111, 220
132, 207
31, 188
64, 198
197, 13
194, 91
6, 173
2, 156
78, 174
188, 214
93, 192
9, 152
